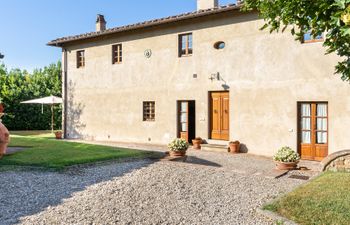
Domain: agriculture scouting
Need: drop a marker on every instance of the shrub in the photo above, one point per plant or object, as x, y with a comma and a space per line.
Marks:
178, 145
18, 85
286, 154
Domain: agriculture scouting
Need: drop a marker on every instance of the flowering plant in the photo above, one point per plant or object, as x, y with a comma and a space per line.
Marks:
178, 145
286, 154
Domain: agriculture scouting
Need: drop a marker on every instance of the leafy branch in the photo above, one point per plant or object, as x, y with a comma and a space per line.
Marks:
318, 17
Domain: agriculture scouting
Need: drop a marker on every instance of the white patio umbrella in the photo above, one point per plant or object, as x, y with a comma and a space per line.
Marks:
51, 100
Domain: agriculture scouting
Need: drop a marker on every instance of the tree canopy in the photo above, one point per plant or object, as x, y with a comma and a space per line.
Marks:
19, 85
331, 17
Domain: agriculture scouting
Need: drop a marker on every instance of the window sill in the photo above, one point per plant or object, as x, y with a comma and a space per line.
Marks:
185, 56
313, 41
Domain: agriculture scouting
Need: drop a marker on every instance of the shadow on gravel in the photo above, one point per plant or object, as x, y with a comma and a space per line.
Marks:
203, 162
24, 193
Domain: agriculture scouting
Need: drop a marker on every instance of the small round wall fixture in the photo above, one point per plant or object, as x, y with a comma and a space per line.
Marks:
219, 45
148, 53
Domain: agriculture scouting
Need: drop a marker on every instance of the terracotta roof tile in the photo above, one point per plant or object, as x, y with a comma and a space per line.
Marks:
154, 22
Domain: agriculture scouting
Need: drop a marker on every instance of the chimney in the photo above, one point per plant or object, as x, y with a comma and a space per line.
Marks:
207, 4
100, 23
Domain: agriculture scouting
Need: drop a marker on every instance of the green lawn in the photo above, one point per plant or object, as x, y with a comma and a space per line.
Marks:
324, 200
46, 152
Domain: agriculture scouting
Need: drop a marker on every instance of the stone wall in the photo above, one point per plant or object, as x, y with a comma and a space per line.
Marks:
337, 162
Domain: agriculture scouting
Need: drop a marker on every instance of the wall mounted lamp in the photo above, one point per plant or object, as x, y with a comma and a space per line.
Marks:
214, 76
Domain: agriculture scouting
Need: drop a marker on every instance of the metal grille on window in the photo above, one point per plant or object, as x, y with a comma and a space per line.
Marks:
148, 111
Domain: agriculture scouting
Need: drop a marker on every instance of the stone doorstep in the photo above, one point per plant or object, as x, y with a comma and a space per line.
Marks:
216, 142
214, 148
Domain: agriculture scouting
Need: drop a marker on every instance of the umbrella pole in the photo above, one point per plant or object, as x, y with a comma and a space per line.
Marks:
52, 118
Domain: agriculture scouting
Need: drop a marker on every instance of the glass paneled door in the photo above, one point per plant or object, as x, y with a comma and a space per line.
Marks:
313, 130
186, 120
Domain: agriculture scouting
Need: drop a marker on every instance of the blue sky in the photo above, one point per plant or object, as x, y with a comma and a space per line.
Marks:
27, 26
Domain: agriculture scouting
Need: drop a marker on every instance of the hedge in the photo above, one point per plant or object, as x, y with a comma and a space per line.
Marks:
18, 85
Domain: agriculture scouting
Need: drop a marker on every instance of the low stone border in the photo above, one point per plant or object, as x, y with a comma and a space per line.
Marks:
337, 162
274, 217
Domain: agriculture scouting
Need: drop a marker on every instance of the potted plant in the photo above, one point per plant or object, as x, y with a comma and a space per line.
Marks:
197, 143
234, 146
178, 147
58, 134
286, 159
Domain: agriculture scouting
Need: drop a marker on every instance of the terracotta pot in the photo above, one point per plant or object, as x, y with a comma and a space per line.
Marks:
173, 153
4, 139
58, 135
234, 147
286, 165
1, 108
197, 144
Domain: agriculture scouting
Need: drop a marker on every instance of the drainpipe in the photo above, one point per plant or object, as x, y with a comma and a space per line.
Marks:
64, 91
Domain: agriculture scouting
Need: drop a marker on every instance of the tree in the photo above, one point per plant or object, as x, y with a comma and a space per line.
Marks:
17, 85
322, 16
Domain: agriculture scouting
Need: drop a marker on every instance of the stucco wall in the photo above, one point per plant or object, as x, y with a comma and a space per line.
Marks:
267, 75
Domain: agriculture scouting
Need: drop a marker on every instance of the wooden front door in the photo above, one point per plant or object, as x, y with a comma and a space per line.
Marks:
313, 130
220, 119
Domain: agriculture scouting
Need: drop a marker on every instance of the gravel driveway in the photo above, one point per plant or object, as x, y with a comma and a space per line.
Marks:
210, 188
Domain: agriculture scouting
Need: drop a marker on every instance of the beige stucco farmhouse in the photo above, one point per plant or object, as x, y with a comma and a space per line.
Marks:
210, 73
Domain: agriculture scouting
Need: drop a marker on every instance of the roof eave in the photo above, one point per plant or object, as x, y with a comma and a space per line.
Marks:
146, 24
54, 44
